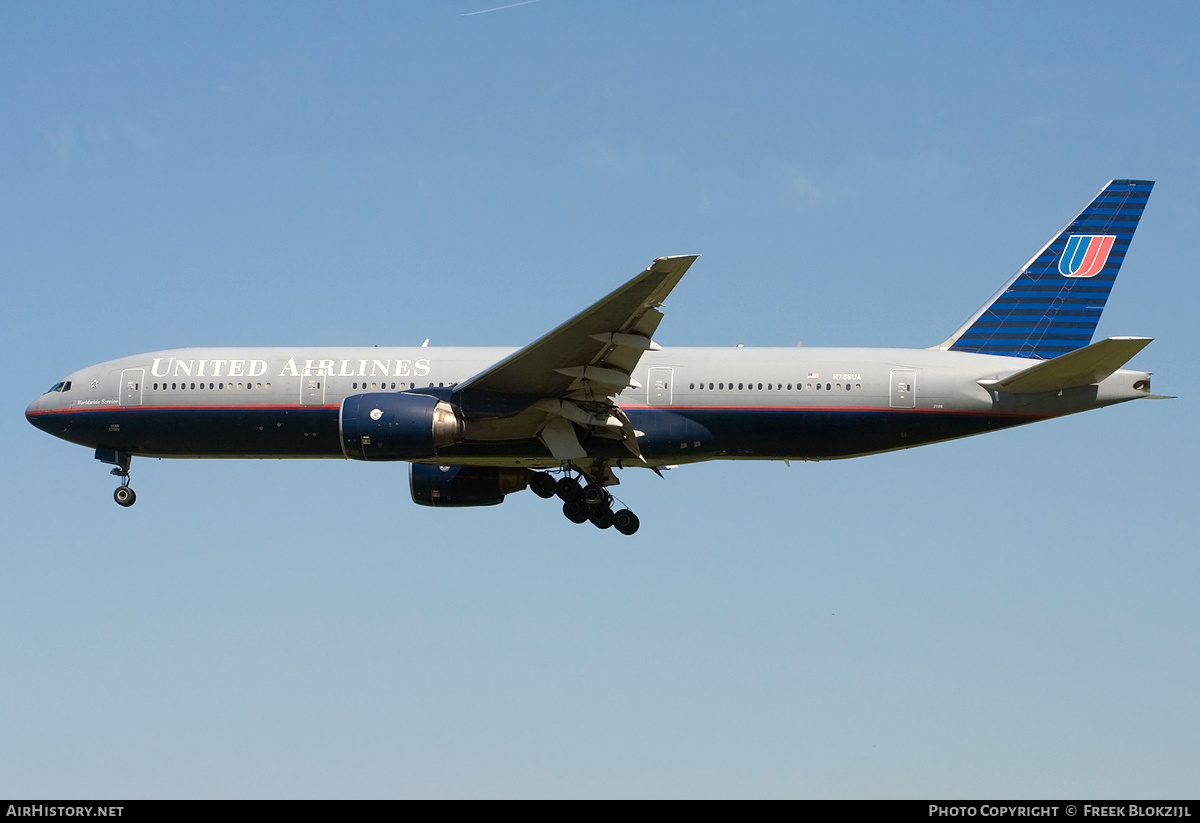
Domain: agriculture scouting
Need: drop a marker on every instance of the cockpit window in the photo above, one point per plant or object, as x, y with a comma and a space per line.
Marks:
57, 387
67, 386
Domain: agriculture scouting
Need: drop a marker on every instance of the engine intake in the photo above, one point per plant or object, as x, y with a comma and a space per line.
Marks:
397, 426
462, 486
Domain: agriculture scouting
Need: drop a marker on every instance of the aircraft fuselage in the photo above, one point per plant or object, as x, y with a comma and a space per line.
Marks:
691, 404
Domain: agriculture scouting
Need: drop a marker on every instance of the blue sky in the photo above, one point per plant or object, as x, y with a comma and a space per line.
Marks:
1012, 615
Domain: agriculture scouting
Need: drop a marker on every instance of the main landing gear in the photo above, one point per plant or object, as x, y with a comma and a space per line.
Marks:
583, 503
124, 495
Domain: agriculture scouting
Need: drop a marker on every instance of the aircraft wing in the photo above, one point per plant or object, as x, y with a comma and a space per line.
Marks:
596, 349
573, 373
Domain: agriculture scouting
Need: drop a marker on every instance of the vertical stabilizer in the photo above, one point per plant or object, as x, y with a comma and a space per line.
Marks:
1052, 304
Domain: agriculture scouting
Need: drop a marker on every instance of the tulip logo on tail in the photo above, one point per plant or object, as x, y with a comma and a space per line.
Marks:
1085, 254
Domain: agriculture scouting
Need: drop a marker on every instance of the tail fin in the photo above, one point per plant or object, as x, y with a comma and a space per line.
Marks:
1052, 304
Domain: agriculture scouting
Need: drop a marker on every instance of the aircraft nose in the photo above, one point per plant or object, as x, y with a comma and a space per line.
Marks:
33, 412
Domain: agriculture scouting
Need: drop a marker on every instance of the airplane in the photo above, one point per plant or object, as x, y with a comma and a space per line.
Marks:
597, 394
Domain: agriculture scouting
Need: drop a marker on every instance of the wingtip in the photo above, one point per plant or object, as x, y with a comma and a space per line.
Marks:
675, 264
670, 257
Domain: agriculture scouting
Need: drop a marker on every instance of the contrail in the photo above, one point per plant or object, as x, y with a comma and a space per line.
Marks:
499, 8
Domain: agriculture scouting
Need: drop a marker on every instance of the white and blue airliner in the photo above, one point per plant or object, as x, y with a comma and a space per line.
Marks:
597, 394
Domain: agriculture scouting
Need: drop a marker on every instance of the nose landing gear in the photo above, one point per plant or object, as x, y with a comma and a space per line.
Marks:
124, 495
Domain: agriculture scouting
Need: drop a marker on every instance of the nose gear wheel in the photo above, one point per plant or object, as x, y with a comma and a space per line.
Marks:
125, 496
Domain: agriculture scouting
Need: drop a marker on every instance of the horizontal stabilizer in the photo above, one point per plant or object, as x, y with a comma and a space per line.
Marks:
1082, 367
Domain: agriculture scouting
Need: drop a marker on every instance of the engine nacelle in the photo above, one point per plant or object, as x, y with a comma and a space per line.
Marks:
464, 485
396, 426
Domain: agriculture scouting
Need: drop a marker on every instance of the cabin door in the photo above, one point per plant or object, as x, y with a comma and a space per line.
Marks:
658, 389
903, 394
131, 387
312, 389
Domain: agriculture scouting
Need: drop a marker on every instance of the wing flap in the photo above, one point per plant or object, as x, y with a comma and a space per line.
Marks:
559, 437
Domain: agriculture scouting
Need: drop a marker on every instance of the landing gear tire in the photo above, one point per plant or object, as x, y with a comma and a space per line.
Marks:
543, 485
625, 521
575, 511
594, 495
568, 489
124, 496
601, 516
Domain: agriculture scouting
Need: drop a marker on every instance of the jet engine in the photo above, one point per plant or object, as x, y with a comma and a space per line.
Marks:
397, 426
464, 485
